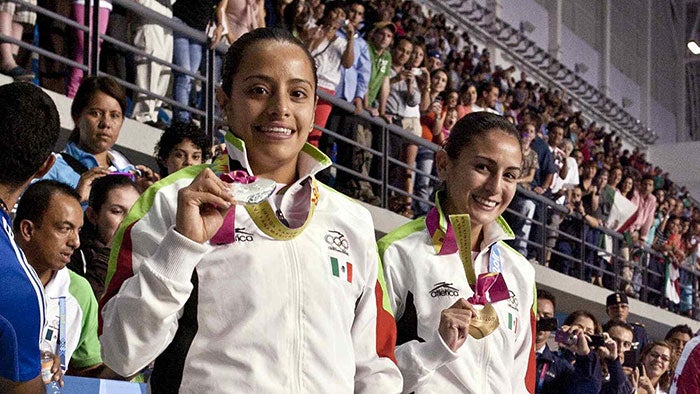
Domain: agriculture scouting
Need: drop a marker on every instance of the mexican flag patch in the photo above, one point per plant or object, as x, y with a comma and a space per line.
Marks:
342, 270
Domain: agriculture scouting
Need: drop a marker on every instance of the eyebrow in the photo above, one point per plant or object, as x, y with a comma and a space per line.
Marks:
273, 80
492, 161
65, 222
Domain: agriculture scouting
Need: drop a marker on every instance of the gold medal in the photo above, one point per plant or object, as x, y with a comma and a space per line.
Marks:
484, 323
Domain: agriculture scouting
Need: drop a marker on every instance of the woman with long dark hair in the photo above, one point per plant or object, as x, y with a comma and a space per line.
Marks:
281, 292
98, 113
463, 300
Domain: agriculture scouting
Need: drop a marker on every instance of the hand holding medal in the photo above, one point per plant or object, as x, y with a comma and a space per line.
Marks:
202, 207
455, 323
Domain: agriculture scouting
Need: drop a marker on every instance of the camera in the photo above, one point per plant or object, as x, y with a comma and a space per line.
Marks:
565, 338
547, 324
416, 71
631, 358
596, 341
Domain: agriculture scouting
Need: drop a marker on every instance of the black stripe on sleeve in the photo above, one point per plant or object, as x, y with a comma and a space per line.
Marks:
407, 326
169, 366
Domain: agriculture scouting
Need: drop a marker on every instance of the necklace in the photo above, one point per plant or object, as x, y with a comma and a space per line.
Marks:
4, 206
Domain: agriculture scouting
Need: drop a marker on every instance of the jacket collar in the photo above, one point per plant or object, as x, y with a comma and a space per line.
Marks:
546, 355
311, 160
443, 237
119, 162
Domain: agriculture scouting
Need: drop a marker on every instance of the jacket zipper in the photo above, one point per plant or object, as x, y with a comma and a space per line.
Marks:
297, 355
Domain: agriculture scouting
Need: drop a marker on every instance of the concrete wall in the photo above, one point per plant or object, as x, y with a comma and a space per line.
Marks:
681, 160
577, 50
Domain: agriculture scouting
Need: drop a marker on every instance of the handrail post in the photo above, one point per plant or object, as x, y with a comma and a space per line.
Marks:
87, 37
385, 166
542, 217
616, 260
693, 310
582, 251
209, 124
645, 276
94, 31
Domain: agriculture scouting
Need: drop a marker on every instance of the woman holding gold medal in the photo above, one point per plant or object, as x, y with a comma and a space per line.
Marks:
231, 289
463, 299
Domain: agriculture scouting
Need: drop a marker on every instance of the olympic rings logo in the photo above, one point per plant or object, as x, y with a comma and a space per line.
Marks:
337, 240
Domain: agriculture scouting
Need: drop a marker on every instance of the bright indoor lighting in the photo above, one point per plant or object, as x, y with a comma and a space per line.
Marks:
694, 47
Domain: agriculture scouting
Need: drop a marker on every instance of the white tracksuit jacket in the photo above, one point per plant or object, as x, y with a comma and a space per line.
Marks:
258, 315
422, 283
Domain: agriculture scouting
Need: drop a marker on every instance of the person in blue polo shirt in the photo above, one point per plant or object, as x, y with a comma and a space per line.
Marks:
28, 132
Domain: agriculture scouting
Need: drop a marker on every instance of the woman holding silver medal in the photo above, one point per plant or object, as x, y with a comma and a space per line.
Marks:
464, 300
229, 292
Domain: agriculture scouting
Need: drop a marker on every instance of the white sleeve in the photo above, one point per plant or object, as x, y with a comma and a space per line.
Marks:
141, 319
417, 360
374, 335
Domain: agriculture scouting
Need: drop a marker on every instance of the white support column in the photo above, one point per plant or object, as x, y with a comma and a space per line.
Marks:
604, 81
495, 8
554, 21
683, 131
645, 99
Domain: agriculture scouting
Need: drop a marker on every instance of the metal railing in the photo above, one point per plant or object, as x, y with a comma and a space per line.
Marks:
91, 61
643, 275
646, 270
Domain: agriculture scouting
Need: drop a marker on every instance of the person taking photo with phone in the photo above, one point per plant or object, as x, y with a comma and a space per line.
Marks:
618, 358
555, 374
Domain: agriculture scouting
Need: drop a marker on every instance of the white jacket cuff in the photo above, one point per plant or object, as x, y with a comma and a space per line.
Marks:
435, 353
177, 256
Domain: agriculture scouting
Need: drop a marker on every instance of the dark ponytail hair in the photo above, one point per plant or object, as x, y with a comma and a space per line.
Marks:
474, 125
235, 53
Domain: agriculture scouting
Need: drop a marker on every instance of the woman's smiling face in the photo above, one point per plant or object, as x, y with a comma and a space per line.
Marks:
272, 103
483, 179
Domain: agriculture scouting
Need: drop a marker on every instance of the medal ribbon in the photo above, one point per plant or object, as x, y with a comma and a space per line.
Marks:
443, 241
62, 331
267, 221
489, 286
262, 214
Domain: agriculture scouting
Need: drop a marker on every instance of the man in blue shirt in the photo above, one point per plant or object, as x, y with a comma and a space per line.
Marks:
28, 133
354, 80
